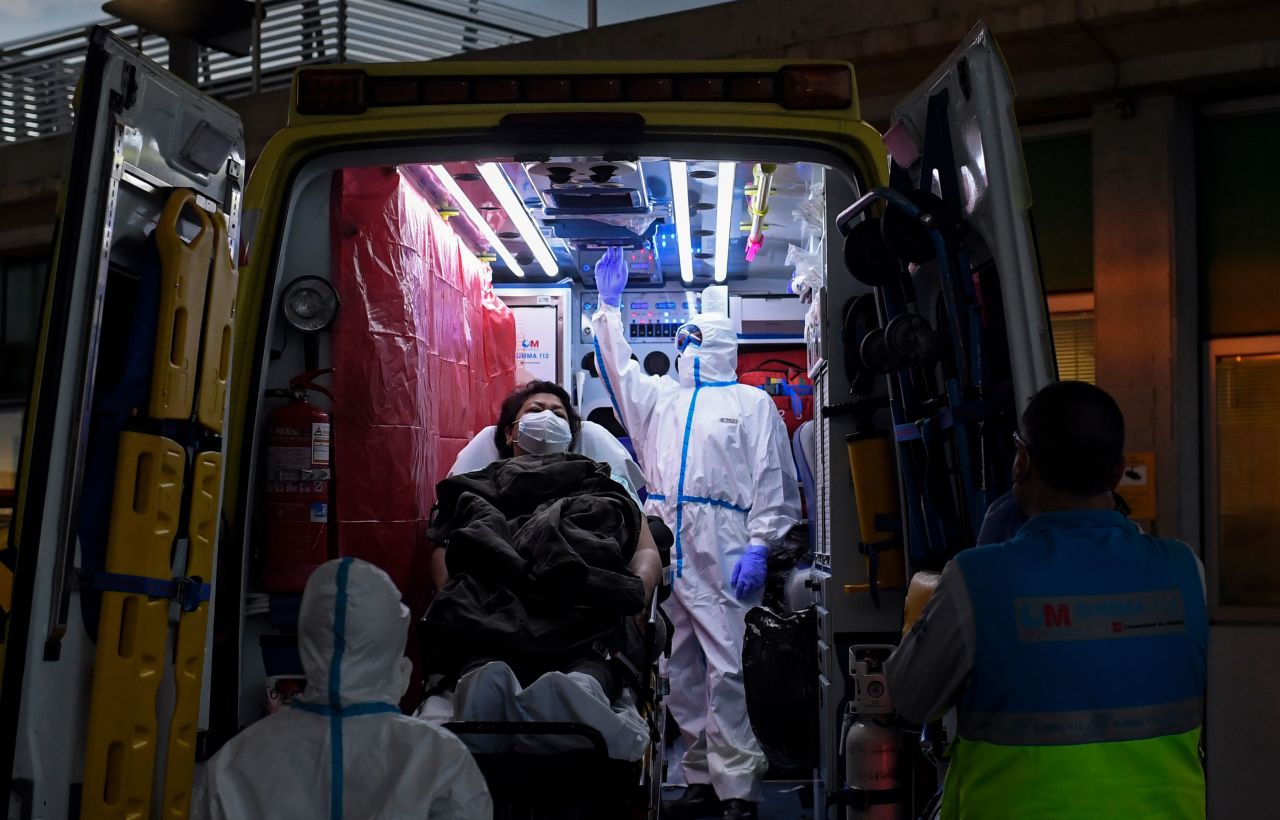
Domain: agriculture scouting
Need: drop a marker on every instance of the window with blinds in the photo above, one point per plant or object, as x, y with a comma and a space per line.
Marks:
1247, 418
1074, 345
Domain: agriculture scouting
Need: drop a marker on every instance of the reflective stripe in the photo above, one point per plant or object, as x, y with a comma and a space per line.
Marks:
335, 691
1082, 726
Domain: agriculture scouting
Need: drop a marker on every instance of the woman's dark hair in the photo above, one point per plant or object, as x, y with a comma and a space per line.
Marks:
1075, 436
511, 407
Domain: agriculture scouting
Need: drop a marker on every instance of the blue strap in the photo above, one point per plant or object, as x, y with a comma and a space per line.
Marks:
188, 592
906, 432
698, 499
335, 691
714, 502
795, 391
354, 710
684, 461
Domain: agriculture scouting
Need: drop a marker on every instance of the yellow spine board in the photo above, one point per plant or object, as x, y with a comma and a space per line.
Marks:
875, 490
121, 746
184, 273
188, 669
215, 356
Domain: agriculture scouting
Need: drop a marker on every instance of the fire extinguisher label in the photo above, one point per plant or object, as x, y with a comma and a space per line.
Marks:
319, 443
319, 513
287, 462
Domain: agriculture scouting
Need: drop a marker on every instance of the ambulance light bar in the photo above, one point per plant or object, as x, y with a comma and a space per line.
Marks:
823, 86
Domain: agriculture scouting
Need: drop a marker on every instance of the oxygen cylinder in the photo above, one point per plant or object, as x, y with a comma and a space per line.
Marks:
871, 754
871, 744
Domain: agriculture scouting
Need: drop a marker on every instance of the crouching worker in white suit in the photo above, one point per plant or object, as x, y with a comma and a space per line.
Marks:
345, 750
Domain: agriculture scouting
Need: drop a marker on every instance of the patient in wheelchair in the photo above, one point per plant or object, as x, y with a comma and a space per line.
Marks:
548, 611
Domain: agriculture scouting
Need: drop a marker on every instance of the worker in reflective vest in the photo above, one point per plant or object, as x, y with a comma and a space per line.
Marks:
1075, 653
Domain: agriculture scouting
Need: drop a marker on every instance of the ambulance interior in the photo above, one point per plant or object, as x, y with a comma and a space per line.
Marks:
535, 229
383, 273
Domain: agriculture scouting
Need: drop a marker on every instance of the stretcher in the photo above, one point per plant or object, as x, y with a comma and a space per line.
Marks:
166, 491
581, 784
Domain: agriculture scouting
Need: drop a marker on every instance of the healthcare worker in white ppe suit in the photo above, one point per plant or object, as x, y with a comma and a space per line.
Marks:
721, 475
344, 750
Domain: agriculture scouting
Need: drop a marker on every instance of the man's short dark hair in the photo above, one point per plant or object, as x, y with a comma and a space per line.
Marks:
1075, 437
511, 406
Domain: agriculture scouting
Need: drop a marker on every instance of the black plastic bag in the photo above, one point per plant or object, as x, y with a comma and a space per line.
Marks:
779, 669
794, 551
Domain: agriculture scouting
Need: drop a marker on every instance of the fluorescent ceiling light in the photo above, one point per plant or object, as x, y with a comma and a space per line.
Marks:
680, 204
460, 199
501, 187
724, 213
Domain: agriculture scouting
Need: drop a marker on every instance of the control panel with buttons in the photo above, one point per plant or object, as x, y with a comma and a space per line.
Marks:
648, 316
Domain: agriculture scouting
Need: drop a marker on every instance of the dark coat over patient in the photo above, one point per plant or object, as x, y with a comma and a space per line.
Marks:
537, 549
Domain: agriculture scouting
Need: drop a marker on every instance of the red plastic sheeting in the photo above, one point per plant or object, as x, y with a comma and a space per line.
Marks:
758, 368
423, 354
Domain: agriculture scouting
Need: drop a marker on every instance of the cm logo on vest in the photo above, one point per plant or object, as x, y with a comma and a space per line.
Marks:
1100, 617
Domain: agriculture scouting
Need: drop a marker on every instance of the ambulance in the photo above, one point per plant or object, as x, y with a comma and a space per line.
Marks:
243, 373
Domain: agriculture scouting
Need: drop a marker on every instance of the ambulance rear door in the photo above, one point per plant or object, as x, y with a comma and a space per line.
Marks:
963, 329
120, 472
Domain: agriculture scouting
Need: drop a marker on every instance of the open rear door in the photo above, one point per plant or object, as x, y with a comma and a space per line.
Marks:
958, 320
950, 322
120, 476
970, 155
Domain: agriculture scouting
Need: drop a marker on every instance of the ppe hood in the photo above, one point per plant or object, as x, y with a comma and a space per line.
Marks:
352, 630
715, 358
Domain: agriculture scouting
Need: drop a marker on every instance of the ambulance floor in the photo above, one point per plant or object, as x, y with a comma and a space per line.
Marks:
783, 800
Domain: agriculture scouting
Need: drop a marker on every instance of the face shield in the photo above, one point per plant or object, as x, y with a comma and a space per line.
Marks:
686, 334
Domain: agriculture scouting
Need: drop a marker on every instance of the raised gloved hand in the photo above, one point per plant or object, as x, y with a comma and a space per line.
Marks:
611, 276
750, 571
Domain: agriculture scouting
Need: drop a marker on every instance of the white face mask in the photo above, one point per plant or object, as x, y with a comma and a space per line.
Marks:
543, 432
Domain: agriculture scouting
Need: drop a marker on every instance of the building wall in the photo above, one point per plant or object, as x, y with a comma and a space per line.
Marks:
1239, 236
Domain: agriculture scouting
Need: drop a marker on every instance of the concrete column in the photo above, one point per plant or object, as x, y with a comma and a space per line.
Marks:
1145, 292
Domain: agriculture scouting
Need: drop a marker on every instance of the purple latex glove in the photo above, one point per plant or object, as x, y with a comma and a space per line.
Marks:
750, 571
611, 276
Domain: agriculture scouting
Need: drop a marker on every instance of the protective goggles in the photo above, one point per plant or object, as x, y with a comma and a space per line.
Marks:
686, 334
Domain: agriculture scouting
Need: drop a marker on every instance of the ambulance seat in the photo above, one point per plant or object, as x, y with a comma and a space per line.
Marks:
803, 449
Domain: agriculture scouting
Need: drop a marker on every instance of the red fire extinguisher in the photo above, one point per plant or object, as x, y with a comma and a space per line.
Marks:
298, 486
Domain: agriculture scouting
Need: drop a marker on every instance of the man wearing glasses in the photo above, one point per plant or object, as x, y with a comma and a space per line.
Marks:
1074, 653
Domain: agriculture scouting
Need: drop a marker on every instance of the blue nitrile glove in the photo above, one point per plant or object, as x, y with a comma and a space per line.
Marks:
611, 276
750, 571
